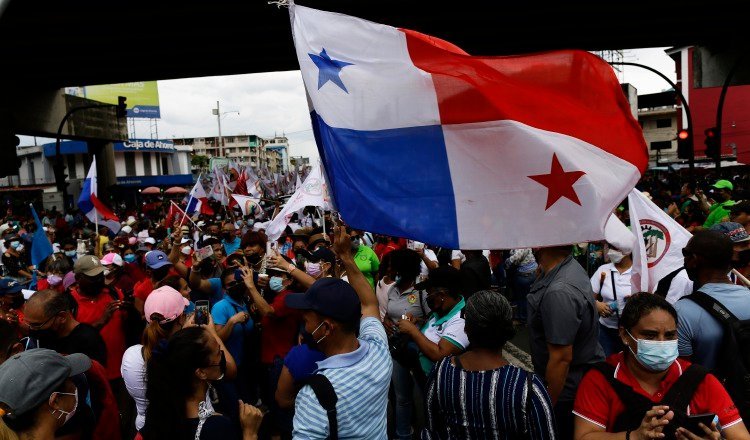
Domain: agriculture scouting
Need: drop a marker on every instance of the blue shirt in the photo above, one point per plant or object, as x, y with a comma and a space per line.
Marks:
221, 312
360, 379
700, 334
301, 361
231, 247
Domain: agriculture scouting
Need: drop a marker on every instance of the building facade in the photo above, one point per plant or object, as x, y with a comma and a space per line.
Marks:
247, 150
657, 115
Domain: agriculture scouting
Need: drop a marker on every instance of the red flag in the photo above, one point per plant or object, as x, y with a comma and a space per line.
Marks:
240, 189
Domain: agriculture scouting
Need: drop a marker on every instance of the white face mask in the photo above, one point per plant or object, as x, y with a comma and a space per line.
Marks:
20, 248
186, 250
615, 256
68, 414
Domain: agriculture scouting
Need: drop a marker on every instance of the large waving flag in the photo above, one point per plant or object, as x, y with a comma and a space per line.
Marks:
659, 243
197, 200
482, 152
41, 248
93, 208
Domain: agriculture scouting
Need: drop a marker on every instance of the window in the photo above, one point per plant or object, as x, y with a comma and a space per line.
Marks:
32, 174
71, 171
663, 123
164, 165
129, 164
661, 145
147, 164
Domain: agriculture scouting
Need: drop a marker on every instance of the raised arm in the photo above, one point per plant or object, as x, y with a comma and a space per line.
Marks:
342, 246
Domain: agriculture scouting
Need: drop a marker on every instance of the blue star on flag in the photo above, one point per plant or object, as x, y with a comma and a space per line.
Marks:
328, 69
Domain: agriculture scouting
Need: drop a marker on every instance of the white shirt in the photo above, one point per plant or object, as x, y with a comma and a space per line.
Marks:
681, 286
622, 284
133, 370
381, 292
423, 270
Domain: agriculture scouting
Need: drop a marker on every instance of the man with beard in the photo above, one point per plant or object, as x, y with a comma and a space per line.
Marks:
50, 321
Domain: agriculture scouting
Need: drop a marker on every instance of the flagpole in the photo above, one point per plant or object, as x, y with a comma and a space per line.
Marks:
96, 228
741, 277
189, 200
184, 214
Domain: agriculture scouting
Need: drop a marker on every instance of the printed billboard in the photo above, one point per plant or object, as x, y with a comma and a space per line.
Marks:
143, 96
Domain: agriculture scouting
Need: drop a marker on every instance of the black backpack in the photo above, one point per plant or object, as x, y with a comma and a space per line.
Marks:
733, 363
327, 397
636, 405
662, 288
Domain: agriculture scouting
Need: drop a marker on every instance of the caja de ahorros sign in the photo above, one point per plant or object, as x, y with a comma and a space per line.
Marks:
145, 145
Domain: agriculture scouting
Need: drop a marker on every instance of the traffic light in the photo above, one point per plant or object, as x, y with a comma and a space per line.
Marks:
713, 149
58, 168
122, 107
11, 163
684, 144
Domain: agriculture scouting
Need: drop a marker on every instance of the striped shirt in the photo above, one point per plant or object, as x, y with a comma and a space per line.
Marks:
360, 379
486, 404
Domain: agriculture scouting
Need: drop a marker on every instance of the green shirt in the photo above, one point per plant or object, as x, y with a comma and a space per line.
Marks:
367, 261
717, 213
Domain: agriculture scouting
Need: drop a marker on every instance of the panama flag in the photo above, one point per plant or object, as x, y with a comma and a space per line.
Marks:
481, 152
197, 200
93, 208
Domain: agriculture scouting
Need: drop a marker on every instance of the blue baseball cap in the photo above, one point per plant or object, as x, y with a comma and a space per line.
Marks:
330, 297
735, 231
156, 259
9, 286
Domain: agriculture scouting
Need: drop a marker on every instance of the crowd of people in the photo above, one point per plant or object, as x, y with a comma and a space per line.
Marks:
204, 328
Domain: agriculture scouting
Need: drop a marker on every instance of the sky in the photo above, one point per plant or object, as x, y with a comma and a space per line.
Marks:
272, 103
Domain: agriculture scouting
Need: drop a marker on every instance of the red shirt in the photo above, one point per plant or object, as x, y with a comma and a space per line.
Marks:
143, 289
280, 330
91, 310
598, 403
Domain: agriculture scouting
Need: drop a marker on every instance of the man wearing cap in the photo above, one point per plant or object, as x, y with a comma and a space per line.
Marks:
719, 211
116, 275
708, 258
13, 260
357, 367
740, 246
11, 301
36, 385
158, 267
51, 323
103, 308
740, 213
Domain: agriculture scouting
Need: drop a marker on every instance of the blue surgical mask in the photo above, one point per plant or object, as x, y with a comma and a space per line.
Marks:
397, 279
655, 355
70, 253
276, 284
130, 258
15, 244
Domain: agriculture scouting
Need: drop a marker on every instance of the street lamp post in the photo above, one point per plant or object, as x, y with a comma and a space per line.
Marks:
217, 111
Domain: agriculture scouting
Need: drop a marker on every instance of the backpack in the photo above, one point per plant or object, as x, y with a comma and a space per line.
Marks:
327, 397
636, 405
733, 363
662, 288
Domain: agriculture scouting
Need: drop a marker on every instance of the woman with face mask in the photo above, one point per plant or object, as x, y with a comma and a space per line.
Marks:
165, 314
14, 262
611, 286
178, 377
37, 395
646, 391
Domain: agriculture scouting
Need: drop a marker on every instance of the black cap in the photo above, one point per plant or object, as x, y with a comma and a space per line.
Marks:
445, 276
330, 297
322, 254
743, 206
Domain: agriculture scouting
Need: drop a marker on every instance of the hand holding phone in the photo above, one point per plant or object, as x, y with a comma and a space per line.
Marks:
201, 312
691, 423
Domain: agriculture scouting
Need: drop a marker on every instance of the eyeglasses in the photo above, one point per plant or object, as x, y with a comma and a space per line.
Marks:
39, 326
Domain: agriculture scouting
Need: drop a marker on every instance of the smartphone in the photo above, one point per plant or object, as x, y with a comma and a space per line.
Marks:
203, 253
201, 312
691, 423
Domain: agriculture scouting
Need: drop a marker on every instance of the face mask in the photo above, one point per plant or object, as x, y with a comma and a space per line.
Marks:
70, 253
655, 355
397, 279
130, 258
252, 258
68, 414
186, 250
313, 269
19, 248
276, 284
615, 256
107, 272
309, 338
355, 243
54, 280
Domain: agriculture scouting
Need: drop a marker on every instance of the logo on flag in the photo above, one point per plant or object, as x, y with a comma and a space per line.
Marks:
656, 239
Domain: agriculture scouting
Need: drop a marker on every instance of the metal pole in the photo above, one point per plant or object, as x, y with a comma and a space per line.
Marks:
685, 105
720, 107
218, 120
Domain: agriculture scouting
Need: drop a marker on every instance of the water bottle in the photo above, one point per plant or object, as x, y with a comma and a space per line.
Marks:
613, 306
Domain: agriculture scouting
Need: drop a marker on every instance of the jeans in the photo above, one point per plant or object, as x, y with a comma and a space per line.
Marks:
520, 284
609, 338
403, 387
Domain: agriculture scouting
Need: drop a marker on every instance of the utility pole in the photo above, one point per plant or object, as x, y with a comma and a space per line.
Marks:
217, 112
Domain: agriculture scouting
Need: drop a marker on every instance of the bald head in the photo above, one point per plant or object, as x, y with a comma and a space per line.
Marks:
49, 302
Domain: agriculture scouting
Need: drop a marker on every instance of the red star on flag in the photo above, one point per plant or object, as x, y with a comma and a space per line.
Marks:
559, 183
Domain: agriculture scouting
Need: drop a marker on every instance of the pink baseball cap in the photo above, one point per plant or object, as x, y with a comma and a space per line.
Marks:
112, 258
165, 301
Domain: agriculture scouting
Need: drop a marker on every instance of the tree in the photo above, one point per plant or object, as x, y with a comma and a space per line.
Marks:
199, 161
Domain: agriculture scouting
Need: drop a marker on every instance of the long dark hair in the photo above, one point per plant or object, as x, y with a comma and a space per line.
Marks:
171, 381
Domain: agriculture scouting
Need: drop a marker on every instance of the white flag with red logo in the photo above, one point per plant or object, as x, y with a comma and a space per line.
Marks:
659, 243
